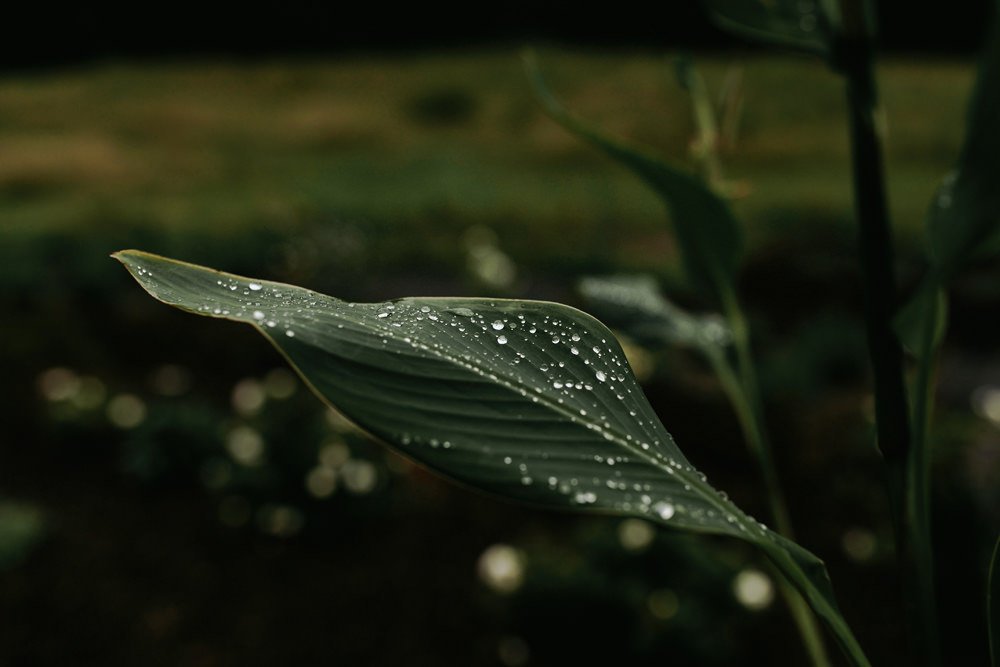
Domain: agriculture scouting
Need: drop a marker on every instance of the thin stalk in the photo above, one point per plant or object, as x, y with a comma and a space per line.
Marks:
918, 473
742, 393
742, 390
783, 559
706, 145
886, 354
876, 252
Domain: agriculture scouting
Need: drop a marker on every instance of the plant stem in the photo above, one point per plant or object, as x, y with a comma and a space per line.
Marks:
742, 390
876, 251
918, 474
744, 393
782, 558
886, 354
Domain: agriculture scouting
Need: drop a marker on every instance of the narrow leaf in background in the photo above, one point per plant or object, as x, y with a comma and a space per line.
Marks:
797, 24
964, 221
708, 234
635, 305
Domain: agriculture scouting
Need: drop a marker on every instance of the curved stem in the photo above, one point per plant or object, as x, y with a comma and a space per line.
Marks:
744, 395
918, 472
782, 558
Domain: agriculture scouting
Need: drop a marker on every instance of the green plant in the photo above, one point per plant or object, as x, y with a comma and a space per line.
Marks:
535, 401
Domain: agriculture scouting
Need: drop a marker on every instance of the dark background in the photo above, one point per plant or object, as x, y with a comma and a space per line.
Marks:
85, 32
147, 556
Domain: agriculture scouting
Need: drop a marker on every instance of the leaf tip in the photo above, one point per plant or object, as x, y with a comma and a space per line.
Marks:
124, 256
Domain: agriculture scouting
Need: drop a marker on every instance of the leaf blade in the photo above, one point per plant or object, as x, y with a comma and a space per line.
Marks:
789, 23
636, 305
963, 224
457, 387
708, 234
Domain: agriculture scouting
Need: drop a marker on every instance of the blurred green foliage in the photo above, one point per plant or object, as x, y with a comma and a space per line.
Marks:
197, 511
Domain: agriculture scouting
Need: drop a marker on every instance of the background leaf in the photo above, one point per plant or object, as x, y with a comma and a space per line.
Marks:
707, 232
636, 305
964, 221
804, 26
527, 399
922, 321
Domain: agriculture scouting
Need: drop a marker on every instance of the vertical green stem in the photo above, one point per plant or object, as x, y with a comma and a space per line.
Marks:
877, 262
821, 603
875, 249
746, 401
918, 473
742, 390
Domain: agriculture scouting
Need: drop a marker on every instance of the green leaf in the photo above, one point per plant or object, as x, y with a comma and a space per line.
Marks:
922, 321
964, 221
530, 400
993, 605
804, 26
635, 305
709, 237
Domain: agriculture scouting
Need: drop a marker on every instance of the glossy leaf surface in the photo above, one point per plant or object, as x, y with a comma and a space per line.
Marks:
530, 400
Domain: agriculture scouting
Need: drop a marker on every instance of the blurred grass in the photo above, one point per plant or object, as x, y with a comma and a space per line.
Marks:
442, 142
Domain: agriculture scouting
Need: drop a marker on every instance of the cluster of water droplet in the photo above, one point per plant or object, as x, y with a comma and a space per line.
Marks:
564, 364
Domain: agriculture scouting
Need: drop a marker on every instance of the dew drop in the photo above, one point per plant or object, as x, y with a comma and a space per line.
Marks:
258, 315
497, 325
664, 510
254, 286
502, 340
601, 377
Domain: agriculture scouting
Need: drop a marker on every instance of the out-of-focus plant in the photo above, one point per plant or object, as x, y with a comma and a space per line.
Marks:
22, 527
535, 401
